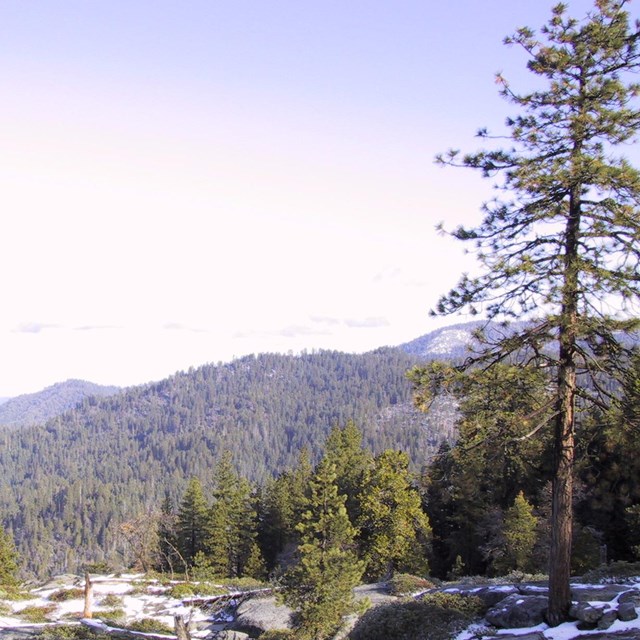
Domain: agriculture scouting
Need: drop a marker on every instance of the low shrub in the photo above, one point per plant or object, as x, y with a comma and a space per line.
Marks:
113, 617
14, 593
278, 634
182, 590
403, 584
467, 605
614, 572
62, 595
110, 600
242, 584
70, 632
149, 625
36, 614
413, 620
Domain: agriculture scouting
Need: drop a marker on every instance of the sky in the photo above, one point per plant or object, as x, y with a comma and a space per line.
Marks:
190, 182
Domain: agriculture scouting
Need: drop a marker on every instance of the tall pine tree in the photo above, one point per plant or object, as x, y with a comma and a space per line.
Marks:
320, 585
564, 240
192, 522
395, 531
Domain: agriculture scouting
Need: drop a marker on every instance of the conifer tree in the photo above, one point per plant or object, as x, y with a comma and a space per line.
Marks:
344, 449
8, 560
520, 532
395, 531
284, 500
231, 529
320, 586
497, 454
192, 521
562, 248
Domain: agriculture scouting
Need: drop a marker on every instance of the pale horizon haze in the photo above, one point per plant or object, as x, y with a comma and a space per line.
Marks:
189, 182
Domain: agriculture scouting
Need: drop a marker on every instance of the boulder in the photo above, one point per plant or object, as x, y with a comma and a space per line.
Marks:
491, 596
627, 611
631, 597
533, 589
597, 593
607, 619
262, 614
518, 611
586, 612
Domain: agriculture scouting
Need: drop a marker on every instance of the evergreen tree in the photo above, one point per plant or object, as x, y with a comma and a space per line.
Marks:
193, 516
8, 560
395, 531
231, 530
499, 452
344, 449
520, 533
566, 237
284, 500
320, 586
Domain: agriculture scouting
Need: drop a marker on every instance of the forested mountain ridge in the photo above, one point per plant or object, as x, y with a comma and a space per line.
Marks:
68, 484
36, 408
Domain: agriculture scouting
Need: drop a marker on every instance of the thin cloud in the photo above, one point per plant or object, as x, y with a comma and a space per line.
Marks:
295, 330
34, 327
366, 323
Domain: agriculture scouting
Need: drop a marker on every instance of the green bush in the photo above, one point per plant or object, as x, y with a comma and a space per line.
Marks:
467, 605
110, 600
70, 632
278, 634
184, 590
412, 620
181, 590
242, 584
149, 625
113, 617
616, 571
403, 584
62, 595
37, 614
14, 593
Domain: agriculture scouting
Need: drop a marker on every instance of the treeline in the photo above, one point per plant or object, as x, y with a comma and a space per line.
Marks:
315, 531
488, 496
235, 528
66, 486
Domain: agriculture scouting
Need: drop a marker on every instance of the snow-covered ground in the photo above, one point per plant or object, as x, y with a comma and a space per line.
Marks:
568, 630
137, 597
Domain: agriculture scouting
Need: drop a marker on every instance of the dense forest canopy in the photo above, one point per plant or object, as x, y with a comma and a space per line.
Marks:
67, 485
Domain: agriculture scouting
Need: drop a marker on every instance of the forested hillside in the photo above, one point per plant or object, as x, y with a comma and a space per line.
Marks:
68, 484
36, 408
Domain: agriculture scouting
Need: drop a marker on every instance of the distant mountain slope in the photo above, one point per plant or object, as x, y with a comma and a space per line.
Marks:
65, 486
447, 343
37, 408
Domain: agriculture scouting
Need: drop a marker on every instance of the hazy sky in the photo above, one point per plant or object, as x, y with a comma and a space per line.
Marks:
186, 182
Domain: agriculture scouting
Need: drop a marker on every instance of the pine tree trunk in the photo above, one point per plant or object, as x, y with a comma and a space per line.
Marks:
561, 514
564, 441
